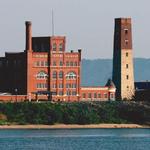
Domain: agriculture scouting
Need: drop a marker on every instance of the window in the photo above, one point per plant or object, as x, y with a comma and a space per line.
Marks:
71, 63
61, 93
126, 41
68, 85
127, 54
75, 63
74, 93
42, 63
41, 85
84, 95
95, 95
46, 63
74, 85
61, 63
54, 85
68, 92
54, 63
54, 75
54, 47
60, 74
67, 63
126, 31
42, 75
99, 95
61, 47
105, 95
71, 75
127, 77
89, 95
127, 66
60, 85
111, 95
54, 93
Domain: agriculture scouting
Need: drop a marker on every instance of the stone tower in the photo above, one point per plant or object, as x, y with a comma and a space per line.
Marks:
123, 76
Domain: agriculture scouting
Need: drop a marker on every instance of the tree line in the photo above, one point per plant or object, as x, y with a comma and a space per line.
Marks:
74, 113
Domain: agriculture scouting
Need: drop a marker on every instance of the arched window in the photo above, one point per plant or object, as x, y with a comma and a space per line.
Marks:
71, 75
42, 75
54, 47
60, 47
61, 74
54, 75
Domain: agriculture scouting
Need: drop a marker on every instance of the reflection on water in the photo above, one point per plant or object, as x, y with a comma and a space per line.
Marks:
75, 139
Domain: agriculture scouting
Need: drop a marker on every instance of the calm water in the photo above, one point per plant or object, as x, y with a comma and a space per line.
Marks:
76, 139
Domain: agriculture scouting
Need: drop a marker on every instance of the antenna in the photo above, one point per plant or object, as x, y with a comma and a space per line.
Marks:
52, 23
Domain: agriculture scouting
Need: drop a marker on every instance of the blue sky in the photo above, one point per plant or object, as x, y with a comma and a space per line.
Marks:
87, 24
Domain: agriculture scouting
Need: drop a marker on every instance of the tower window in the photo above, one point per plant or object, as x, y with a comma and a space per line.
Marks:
127, 77
127, 54
127, 88
126, 31
127, 65
126, 41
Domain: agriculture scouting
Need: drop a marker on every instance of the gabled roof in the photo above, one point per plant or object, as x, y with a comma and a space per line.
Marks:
110, 83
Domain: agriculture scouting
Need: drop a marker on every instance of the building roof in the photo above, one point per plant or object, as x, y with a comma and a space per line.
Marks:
110, 83
144, 85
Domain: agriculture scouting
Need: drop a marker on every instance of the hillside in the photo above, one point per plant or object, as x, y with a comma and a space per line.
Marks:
96, 72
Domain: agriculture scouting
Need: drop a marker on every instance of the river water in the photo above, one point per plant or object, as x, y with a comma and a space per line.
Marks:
75, 139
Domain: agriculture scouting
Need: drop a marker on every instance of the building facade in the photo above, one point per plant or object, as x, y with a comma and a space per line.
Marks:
44, 70
123, 76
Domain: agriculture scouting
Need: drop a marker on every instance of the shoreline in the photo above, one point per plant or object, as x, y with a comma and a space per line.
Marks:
74, 126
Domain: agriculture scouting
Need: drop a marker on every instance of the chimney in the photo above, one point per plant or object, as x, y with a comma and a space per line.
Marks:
28, 35
79, 51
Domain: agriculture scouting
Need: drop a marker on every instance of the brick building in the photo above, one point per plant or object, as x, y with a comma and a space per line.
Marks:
45, 70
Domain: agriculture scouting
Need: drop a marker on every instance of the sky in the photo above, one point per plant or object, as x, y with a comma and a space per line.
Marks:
87, 24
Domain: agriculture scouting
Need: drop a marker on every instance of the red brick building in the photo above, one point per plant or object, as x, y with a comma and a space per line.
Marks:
45, 70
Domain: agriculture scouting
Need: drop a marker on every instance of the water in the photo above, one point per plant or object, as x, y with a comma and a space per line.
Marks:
75, 139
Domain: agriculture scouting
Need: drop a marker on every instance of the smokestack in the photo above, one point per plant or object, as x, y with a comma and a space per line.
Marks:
79, 51
28, 35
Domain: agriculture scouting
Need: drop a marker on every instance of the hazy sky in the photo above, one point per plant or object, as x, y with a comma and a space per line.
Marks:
87, 24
